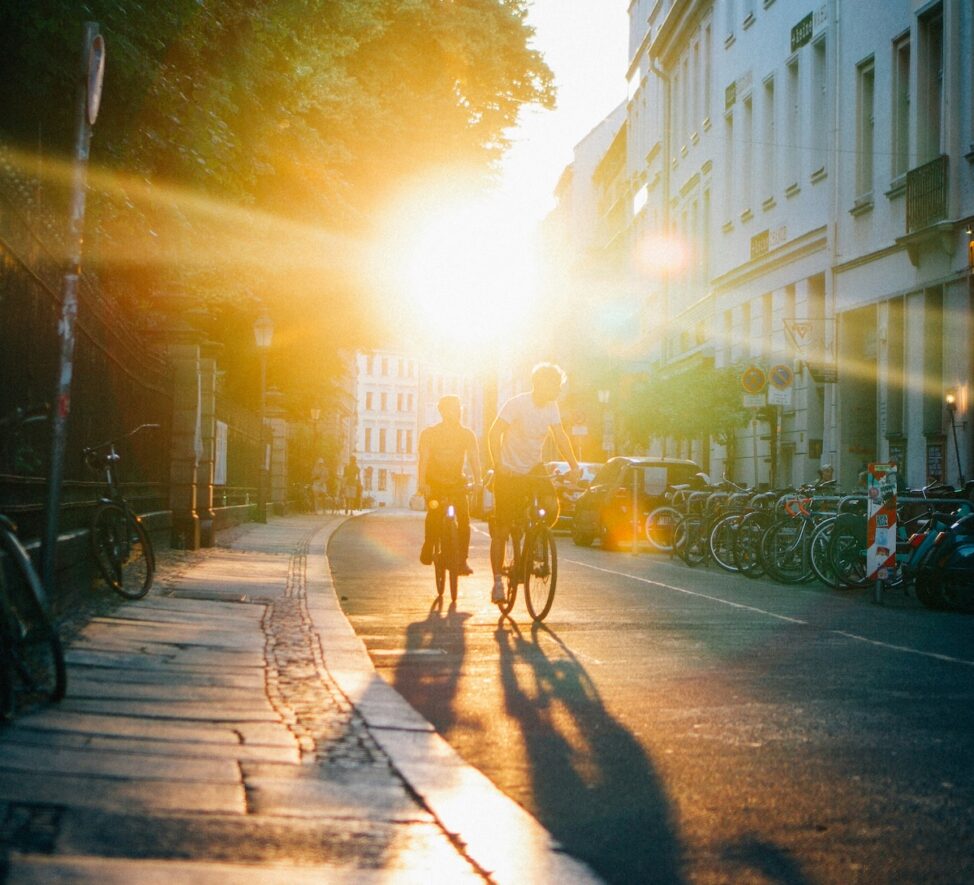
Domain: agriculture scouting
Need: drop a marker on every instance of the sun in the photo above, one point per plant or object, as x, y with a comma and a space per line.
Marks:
461, 264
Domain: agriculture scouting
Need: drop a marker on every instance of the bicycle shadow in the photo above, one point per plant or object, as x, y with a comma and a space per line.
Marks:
593, 786
428, 672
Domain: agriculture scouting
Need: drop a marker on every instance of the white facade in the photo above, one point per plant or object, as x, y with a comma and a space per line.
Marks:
777, 143
396, 398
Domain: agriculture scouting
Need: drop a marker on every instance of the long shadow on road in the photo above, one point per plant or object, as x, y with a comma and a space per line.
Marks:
594, 787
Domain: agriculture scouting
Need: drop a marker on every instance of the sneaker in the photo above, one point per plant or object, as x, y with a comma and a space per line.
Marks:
498, 594
426, 554
464, 569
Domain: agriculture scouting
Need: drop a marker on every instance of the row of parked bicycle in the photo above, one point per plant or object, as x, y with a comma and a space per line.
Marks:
32, 668
815, 532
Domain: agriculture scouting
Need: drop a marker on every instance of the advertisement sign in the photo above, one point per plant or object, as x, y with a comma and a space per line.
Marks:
881, 521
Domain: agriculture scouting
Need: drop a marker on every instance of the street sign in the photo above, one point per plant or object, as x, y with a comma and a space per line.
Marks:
753, 380
781, 376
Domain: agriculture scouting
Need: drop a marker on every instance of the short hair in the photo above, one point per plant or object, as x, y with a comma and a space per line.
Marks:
543, 372
447, 401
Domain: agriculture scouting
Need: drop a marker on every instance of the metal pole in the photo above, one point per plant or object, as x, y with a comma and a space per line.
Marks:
262, 472
960, 470
86, 104
635, 513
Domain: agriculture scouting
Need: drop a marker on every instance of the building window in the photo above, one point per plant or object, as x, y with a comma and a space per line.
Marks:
383, 401
865, 119
747, 154
901, 106
930, 84
383, 479
382, 439
368, 401
367, 479
368, 439
770, 142
399, 440
399, 402
409, 442
385, 366
793, 168
707, 71
820, 105
729, 14
729, 170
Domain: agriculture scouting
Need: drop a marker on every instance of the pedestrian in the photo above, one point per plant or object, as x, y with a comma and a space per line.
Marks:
319, 485
351, 483
516, 448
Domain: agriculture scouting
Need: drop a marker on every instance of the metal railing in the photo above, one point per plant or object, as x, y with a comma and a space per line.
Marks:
926, 194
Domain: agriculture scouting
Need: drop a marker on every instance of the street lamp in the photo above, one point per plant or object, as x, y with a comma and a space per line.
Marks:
263, 335
950, 400
603, 396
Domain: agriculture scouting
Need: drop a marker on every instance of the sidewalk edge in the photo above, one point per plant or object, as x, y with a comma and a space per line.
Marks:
499, 836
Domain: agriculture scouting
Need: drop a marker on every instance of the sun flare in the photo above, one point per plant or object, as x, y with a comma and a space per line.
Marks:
460, 265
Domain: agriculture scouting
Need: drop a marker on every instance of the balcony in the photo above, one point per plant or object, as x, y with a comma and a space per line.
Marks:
926, 195
926, 210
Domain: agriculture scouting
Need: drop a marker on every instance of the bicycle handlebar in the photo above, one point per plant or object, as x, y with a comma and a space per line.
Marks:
92, 449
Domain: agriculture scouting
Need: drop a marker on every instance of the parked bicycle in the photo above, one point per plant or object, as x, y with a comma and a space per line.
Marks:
530, 554
31, 658
121, 546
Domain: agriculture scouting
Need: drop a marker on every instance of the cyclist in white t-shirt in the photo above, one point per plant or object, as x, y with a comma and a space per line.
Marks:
515, 445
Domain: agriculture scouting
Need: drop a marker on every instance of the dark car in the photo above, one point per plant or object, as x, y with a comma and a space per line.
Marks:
568, 495
605, 510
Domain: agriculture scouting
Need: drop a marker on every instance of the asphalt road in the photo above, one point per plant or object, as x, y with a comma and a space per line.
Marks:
670, 724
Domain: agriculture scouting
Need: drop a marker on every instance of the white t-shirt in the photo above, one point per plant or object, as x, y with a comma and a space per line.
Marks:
524, 438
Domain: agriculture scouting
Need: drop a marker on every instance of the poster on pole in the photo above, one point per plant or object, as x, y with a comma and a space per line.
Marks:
881, 521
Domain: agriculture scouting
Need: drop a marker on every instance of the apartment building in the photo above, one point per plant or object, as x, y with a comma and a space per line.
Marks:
396, 397
801, 195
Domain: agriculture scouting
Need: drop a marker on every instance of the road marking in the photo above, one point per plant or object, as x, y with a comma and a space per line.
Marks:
853, 636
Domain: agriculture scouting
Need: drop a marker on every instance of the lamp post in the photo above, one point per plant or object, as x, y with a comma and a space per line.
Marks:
263, 335
603, 402
315, 416
950, 400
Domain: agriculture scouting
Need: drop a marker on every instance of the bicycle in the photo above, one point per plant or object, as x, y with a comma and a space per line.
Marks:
530, 554
446, 543
119, 542
32, 666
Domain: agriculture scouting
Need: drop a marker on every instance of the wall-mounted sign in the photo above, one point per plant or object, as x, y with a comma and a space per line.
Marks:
802, 32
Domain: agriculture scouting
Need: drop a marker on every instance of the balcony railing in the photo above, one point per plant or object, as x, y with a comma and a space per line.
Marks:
926, 194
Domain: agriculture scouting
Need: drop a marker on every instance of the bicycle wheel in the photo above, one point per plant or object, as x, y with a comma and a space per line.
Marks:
660, 525
451, 556
847, 557
439, 569
689, 541
540, 558
123, 551
786, 544
747, 543
819, 553
31, 657
721, 541
510, 570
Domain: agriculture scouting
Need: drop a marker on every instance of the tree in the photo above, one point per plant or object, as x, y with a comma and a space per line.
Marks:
660, 406
245, 147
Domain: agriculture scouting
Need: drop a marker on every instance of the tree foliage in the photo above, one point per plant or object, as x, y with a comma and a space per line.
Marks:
251, 143
697, 403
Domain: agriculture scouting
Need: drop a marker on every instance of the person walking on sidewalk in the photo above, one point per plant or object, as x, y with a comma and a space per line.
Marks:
350, 485
515, 445
443, 450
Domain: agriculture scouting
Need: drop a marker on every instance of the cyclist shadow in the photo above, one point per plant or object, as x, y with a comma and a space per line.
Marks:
428, 672
594, 787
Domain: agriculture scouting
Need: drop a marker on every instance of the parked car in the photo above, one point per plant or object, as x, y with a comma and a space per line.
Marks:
604, 511
568, 496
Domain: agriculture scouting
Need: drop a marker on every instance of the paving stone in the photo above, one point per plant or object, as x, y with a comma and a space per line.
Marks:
139, 765
89, 791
